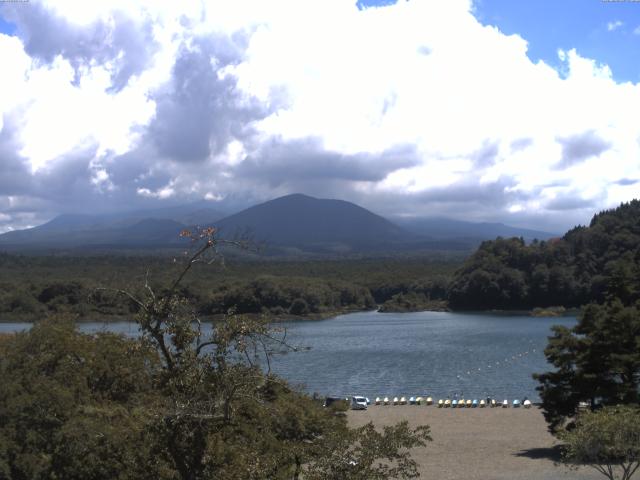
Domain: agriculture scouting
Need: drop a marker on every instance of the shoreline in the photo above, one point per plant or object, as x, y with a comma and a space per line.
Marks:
536, 312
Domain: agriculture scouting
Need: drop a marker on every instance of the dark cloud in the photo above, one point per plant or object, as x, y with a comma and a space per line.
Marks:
486, 155
470, 192
15, 171
577, 148
627, 181
126, 43
521, 144
302, 161
571, 201
200, 112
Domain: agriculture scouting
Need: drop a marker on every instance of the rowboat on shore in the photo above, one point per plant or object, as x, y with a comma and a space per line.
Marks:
429, 401
483, 403
419, 400
516, 403
440, 403
395, 400
454, 403
447, 403
403, 401
468, 404
493, 403
505, 404
526, 403
412, 400
386, 400
378, 401
474, 404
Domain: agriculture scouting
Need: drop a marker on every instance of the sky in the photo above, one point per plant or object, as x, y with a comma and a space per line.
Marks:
483, 110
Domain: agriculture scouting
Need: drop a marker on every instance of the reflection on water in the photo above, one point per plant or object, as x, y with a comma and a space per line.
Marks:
434, 353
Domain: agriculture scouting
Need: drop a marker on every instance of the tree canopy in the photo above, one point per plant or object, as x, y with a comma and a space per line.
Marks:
588, 264
597, 361
607, 440
174, 403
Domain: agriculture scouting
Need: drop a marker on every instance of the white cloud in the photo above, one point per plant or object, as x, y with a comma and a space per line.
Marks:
419, 89
636, 31
611, 26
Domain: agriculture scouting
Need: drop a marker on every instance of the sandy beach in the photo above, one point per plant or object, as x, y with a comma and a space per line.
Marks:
482, 444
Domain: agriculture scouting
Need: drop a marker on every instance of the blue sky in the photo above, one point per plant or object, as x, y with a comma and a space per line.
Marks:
602, 30
598, 29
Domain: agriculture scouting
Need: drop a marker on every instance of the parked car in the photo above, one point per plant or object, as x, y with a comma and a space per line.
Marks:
358, 403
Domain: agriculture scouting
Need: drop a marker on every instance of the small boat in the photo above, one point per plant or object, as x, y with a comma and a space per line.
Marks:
440, 403
474, 404
386, 400
378, 401
447, 403
494, 404
505, 404
454, 403
395, 400
403, 401
516, 403
412, 400
468, 404
419, 400
526, 403
429, 401
483, 403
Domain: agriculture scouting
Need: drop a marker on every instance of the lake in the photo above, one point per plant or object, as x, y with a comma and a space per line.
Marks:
434, 353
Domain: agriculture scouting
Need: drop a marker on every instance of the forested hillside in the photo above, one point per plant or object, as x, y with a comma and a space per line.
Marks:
34, 286
588, 264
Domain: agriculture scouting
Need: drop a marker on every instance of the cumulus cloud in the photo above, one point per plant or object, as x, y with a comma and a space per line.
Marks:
611, 26
132, 104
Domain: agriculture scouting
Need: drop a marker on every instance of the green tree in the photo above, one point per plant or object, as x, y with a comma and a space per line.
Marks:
607, 440
597, 361
174, 403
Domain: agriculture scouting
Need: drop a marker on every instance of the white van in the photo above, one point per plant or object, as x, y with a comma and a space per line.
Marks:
358, 403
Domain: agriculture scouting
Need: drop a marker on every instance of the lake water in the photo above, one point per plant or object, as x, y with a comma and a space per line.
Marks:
434, 353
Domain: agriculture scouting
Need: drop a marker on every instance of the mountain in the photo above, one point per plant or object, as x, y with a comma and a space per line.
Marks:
138, 229
290, 225
309, 223
446, 228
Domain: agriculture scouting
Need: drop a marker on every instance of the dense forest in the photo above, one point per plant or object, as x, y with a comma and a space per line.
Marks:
588, 264
31, 286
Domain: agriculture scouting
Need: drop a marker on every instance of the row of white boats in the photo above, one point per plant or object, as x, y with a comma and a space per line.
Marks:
455, 403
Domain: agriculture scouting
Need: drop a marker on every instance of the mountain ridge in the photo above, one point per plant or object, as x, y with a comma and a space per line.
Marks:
287, 225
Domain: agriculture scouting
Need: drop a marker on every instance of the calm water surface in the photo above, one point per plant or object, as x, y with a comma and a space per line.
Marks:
435, 353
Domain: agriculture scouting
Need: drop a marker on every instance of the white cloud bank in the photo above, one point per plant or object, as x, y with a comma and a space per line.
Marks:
414, 108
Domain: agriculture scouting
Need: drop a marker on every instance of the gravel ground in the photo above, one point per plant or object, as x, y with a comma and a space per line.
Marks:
483, 444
